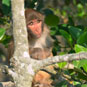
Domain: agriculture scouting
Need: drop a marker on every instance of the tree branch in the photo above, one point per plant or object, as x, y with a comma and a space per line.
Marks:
63, 58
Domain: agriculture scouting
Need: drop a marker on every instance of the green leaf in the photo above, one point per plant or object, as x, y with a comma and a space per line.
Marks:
71, 71
6, 39
2, 33
82, 40
52, 20
62, 53
80, 74
84, 85
6, 6
6, 2
62, 64
80, 6
79, 48
54, 30
81, 14
85, 67
75, 32
76, 63
76, 83
67, 36
80, 63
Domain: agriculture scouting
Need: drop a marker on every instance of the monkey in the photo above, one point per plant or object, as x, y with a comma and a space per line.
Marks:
40, 43
38, 33
44, 53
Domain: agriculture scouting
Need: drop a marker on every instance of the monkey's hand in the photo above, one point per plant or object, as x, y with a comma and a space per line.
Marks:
39, 54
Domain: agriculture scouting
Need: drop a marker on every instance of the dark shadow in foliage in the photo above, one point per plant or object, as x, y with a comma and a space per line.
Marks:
6, 9
30, 3
47, 12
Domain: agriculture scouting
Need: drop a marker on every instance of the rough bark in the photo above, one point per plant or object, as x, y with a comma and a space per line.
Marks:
22, 71
63, 58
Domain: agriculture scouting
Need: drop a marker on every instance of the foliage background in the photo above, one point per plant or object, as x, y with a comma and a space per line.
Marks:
67, 20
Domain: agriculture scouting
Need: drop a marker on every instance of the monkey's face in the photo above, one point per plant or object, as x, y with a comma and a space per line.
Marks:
35, 28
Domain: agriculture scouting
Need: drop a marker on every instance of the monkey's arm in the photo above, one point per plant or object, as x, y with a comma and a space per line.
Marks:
39, 54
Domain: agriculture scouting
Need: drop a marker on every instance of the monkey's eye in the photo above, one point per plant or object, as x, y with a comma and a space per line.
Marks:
31, 23
38, 21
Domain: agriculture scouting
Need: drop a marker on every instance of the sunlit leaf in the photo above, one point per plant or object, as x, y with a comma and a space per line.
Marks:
6, 2
2, 33
79, 48
62, 64
80, 63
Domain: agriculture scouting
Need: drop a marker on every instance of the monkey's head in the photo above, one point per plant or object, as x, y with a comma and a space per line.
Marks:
34, 22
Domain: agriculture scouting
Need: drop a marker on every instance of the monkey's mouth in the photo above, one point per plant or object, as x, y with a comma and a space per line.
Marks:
39, 35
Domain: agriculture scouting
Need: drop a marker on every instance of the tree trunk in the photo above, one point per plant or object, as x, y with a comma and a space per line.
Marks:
22, 71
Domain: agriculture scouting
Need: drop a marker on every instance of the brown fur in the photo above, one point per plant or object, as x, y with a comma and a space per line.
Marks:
40, 48
31, 14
